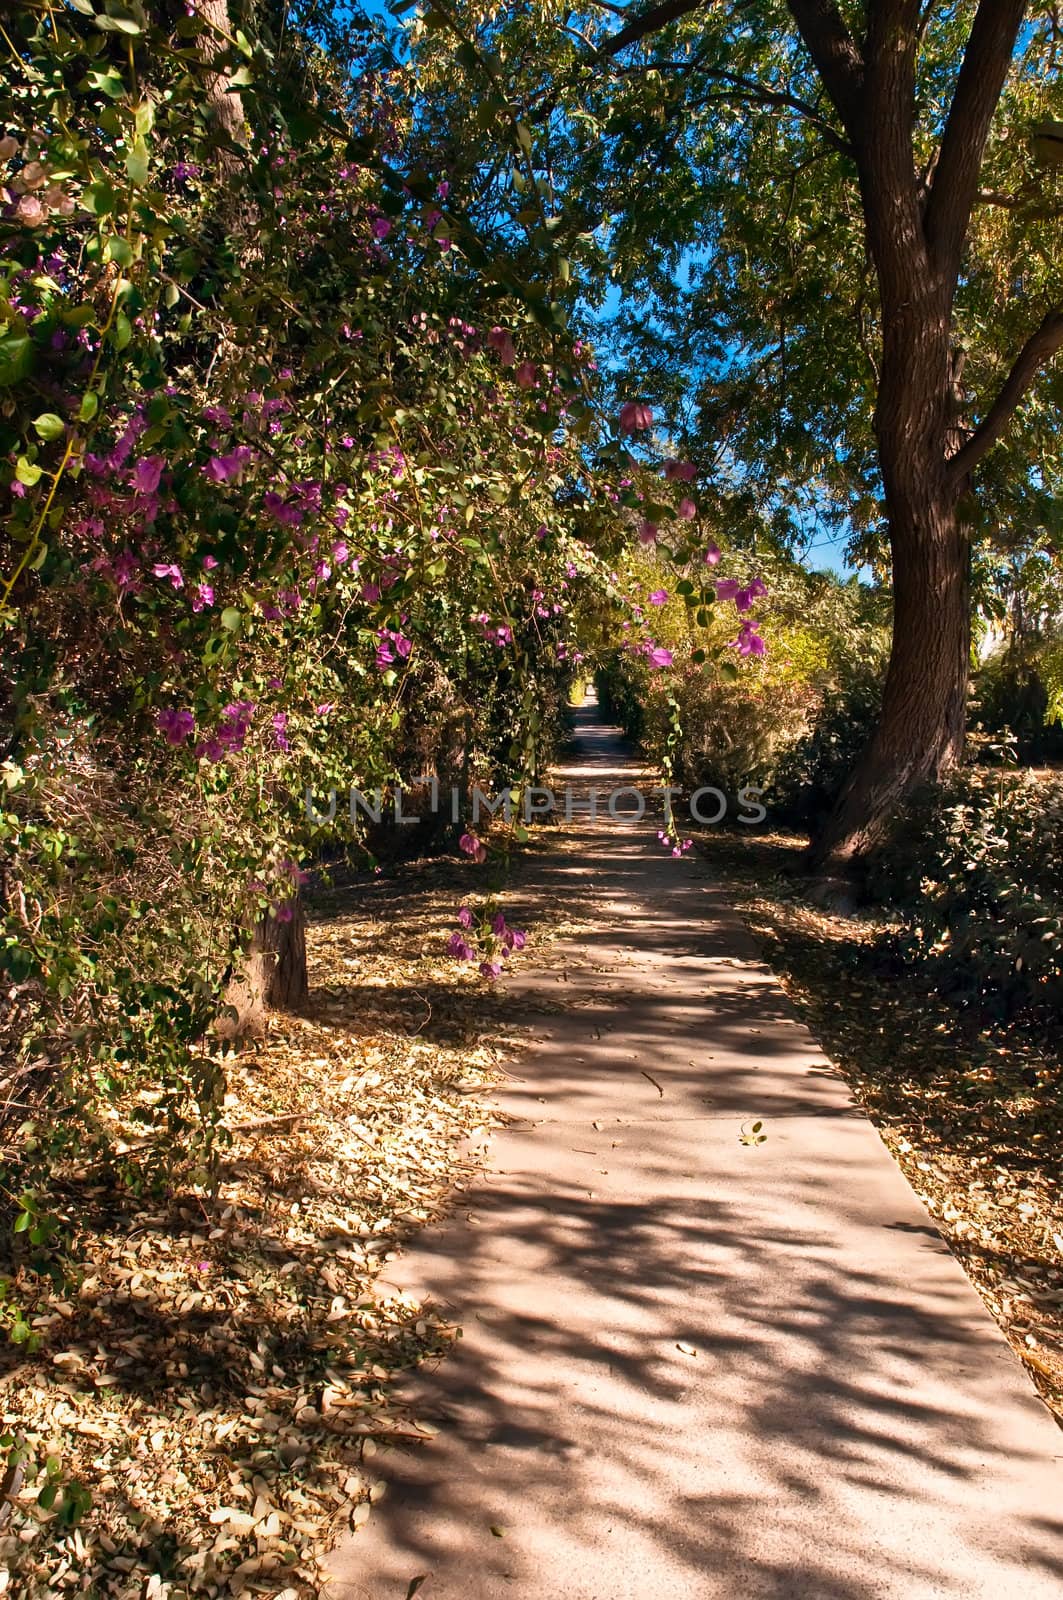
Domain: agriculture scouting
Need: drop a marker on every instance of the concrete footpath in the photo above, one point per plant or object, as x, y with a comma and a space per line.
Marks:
694, 1367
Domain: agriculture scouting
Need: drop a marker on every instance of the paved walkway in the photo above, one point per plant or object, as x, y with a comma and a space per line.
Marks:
694, 1368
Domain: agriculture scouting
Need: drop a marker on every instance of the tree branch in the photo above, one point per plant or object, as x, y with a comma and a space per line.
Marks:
1039, 349
745, 89
978, 89
835, 55
650, 21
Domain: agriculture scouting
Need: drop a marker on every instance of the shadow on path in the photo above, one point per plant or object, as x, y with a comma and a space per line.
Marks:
694, 1366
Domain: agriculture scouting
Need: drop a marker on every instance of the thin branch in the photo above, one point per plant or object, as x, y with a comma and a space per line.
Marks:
748, 90
1038, 350
650, 21
978, 89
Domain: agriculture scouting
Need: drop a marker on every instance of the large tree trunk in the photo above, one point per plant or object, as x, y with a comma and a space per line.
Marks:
271, 974
921, 728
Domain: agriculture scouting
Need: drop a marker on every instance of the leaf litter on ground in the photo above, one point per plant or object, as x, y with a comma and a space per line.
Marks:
221, 1374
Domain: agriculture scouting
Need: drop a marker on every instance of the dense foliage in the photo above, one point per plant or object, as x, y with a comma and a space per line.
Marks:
976, 872
305, 490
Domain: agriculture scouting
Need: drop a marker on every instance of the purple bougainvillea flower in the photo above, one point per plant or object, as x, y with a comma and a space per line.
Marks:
680, 471
712, 554
168, 569
727, 588
228, 468
501, 339
459, 946
381, 227
687, 509
203, 596
647, 533
527, 375
147, 474
490, 969
658, 656
472, 846
749, 641
280, 731
752, 591
635, 417
176, 726
465, 917
659, 597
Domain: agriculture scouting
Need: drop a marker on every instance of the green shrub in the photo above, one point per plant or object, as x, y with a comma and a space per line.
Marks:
975, 867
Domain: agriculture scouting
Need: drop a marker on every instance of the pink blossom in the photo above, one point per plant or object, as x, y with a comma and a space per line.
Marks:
176, 726
647, 533
727, 588
209, 563
203, 596
465, 917
745, 597
635, 417
472, 846
147, 473
381, 227
712, 554
280, 731
527, 375
228, 468
459, 946
659, 657
659, 597
490, 969
168, 569
339, 552
687, 509
680, 471
501, 340
749, 641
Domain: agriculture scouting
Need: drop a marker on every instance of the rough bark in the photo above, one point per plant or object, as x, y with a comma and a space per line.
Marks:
225, 105
272, 974
916, 242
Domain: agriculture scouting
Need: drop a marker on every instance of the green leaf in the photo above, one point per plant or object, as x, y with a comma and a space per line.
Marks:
27, 472
109, 83
137, 167
49, 425
118, 249
231, 618
118, 20
99, 198
17, 354
90, 404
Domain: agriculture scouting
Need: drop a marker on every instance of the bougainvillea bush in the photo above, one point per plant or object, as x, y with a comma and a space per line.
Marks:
301, 490
270, 492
